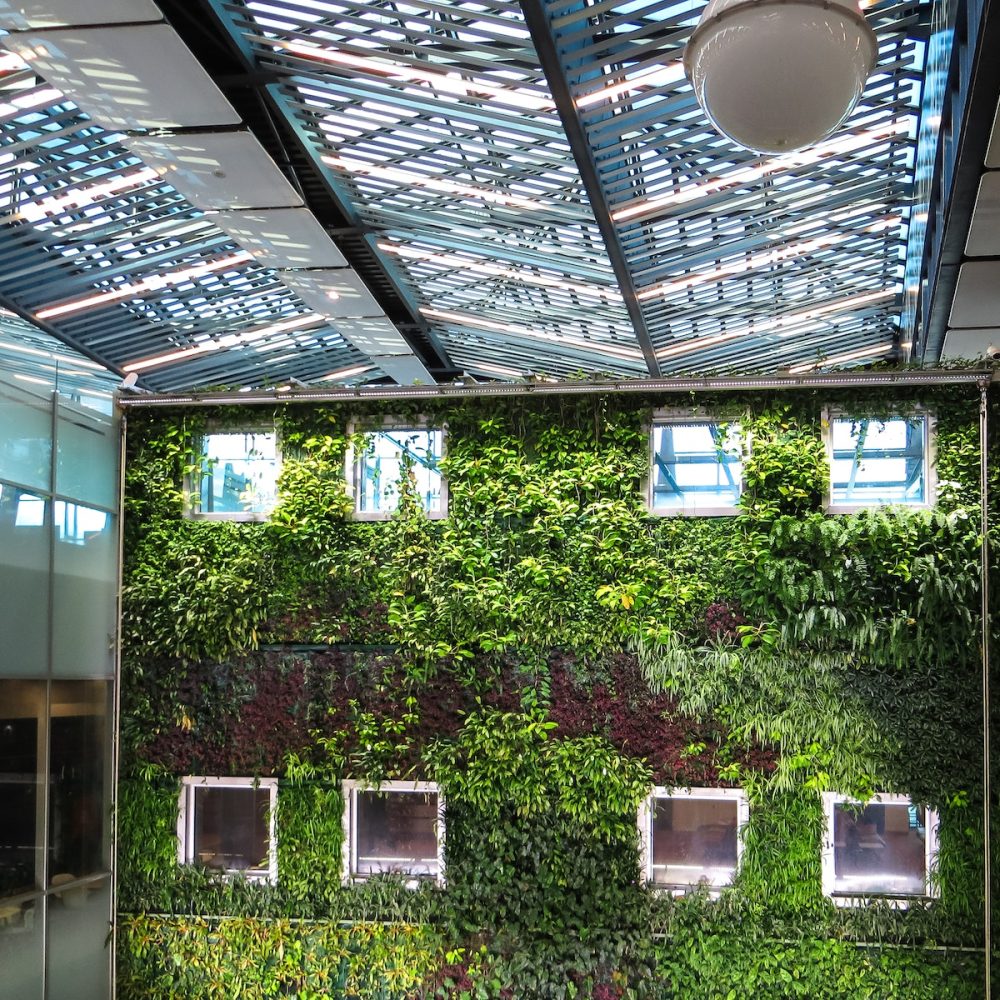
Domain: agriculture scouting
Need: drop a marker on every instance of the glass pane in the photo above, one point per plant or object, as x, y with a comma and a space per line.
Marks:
84, 582
79, 961
21, 951
880, 850
231, 827
22, 706
877, 463
26, 442
24, 577
394, 455
694, 841
397, 832
87, 449
78, 780
239, 473
696, 466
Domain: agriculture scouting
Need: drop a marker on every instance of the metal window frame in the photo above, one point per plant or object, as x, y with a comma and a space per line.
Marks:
186, 822
645, 824
350, 790
353, 460
192, 480
832, 413
671, 417
899, 900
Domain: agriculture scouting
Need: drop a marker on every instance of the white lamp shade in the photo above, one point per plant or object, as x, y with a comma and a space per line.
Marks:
779, 75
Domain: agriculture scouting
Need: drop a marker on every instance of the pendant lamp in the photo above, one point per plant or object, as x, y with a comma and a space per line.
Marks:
779, 75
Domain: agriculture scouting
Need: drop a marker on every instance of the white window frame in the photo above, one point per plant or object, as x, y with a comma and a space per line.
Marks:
352, 462
186, 821
192, 485
680, 418
645, 820
831, 413
931, 820
349, 853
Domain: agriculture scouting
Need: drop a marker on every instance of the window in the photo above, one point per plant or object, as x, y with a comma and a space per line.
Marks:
697, 467
391, 455
874, 462
691, 837
886, 848
239, 476
398, 827
228, 823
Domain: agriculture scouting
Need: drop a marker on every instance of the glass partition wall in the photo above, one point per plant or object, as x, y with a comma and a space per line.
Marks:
59, 521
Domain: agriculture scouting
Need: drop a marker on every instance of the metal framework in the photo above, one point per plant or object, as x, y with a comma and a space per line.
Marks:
535, 180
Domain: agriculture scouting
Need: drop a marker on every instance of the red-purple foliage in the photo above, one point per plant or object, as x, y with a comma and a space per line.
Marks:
244, 717
723, 621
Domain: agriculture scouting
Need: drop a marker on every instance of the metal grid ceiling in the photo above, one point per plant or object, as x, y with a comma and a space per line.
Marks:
537, 175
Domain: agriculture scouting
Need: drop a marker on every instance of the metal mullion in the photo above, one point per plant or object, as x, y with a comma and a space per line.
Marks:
64, 177
33, 143
750, 241
558, 304
568, 322
851, 191
362, 89
731, 202
350, 44
512, 254
144, 230
846, 249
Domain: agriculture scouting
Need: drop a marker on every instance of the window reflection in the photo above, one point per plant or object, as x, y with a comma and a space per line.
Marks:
397, 832
23, 709
231, 828
239, 473
77, 780
878, 461
694, 841
696, 466
389, 457
880, 850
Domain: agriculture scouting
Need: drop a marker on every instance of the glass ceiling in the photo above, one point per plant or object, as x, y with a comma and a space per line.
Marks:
536, 176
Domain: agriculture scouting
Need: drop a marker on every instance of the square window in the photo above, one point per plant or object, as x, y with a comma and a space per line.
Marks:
397, 827
238, 479
875, 462
391, 455
697, 467
692, 837
884, 848
228, 824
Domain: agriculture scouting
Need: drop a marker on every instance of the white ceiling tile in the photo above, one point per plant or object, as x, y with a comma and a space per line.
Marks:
221, 170
282, 237
375, 336
136, 77
984, 230
972, 343
21, 15
977, 295
405, 370
335, 293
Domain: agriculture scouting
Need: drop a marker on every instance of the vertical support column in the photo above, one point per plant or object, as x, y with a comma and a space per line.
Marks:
985, 614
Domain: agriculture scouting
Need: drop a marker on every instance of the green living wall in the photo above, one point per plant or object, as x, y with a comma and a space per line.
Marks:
546, 653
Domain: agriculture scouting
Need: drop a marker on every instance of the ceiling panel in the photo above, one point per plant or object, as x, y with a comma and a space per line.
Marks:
282, 237
977, 295
984, 232
135, 77
27, 14
218, 170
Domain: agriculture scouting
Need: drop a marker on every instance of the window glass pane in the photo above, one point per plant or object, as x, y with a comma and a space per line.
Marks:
696, 465
397, 832
231, 827
84, 582
877, 462
390, 456
87, 449
78, 955
78, 780
694, 841
239, 473
24, 576
22, 713
21, 951
880, 850
26, 442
